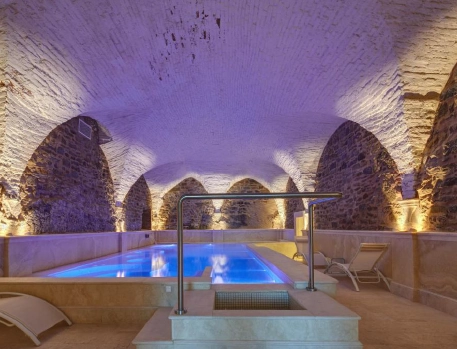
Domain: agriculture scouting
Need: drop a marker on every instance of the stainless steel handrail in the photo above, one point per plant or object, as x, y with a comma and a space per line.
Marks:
311, 205
324, 196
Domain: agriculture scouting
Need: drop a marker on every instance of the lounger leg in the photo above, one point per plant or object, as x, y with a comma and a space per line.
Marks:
353, 280
22, 328
298, 254
383, 277
340, 266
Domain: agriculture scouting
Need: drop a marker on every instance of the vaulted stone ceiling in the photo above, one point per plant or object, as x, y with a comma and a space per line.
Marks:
222, 90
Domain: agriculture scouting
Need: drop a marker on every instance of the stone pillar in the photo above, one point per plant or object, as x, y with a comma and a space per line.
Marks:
300, 222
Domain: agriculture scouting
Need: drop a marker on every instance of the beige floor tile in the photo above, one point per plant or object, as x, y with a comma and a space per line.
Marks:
391, 322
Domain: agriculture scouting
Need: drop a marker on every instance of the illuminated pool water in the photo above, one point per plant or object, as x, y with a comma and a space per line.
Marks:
231, 264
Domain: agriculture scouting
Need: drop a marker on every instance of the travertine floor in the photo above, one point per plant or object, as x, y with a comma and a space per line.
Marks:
77, 336
388, 322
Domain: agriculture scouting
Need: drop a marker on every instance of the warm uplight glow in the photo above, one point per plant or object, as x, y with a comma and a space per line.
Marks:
17, 229
217, 203
300, 222
22, 229
3, 229
218, 224
281, 219
409, 220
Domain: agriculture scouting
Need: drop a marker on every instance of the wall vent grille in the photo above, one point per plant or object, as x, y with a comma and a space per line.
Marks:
85, 129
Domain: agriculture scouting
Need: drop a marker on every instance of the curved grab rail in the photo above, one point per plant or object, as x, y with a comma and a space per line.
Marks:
322, 197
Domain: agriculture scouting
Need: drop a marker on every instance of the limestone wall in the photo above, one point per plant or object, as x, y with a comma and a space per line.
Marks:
252, 214
437, 271
222, 235
355, 163
437, 178
137, 206
25, 255
67, 186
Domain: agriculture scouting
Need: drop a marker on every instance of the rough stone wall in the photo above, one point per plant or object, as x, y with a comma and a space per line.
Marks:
251, 214
292, 205
355, 163
3, 82
196, 214
137, 206
66, 186
437, 178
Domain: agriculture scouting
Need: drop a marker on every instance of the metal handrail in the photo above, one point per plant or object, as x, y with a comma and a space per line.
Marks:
324, 196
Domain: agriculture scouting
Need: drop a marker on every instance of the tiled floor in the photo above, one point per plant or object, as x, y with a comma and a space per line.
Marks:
388, 322
77, 336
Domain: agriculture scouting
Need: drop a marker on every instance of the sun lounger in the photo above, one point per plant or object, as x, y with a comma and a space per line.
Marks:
362, 267
301, 242
31, 314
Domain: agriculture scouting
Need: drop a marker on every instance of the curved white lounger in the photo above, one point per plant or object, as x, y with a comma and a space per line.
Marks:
31, 314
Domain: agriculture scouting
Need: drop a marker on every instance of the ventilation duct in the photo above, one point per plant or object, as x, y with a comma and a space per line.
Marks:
85, 129
104, 135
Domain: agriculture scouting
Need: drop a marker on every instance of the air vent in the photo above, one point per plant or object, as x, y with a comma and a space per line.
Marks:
85, 129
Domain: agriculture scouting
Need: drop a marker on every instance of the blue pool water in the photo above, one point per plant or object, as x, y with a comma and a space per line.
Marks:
231, 264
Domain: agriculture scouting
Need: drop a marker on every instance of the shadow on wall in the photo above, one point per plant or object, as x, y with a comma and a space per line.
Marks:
67, 186
437, 178
137, 207
355, 163
251, 214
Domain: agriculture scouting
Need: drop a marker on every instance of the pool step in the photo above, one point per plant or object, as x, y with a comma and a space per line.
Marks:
156, 333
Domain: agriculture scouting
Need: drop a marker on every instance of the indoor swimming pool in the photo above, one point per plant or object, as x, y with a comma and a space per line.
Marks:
230, 263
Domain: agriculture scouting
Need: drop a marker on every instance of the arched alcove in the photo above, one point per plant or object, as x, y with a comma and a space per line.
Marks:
292, 205
355, 163
137, 206
250, 214
66, 185
197, 214
437, 178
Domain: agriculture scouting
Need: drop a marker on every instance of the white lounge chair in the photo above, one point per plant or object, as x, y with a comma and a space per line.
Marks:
301, 242
31, 314
363, 266
303, 250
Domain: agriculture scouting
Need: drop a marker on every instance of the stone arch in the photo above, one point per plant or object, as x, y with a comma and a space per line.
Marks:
137, 206
292, 205
197, 214
66, 186
436, 182
250, 214
355, 163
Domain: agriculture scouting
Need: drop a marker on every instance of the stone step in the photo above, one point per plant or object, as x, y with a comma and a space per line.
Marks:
156, 333
312, 320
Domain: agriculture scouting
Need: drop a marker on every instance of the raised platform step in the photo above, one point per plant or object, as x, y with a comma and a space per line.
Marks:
311, 320
294, 272
156, 333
